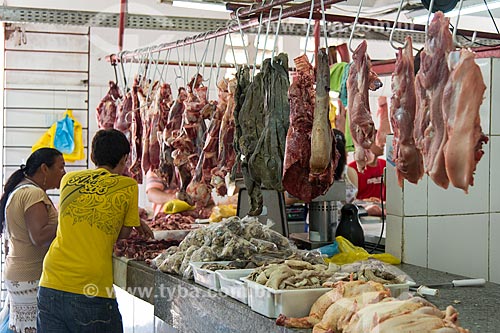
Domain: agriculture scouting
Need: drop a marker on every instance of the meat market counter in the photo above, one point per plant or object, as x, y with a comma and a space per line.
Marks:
189, 307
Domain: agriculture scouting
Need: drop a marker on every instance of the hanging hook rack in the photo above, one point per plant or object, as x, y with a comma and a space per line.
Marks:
455, 29
353, 28
391, 37
276, 35
292, 11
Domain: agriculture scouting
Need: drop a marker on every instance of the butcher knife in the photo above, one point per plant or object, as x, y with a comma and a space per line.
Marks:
430, 289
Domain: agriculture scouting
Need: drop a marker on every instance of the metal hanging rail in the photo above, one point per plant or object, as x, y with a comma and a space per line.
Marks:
244, 12
294, 11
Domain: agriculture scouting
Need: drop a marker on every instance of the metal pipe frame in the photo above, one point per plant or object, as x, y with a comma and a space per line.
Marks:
249, 11
295, 11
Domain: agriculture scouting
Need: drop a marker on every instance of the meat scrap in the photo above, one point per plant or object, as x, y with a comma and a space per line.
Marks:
430, 131
296, 168
361, 122
462, 97
409, 164
106, 110
138, 248
175, 221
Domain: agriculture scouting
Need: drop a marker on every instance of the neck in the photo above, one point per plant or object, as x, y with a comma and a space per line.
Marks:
106, 167
35, 180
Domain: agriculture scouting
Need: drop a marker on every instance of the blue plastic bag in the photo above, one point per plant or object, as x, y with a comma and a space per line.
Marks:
330, 249
64, 139
4, 324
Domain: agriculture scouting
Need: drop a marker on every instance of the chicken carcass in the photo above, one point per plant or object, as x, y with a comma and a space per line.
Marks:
423, 320
361, 122
365, 319
430, 130
462, 98
341, 290
409, 163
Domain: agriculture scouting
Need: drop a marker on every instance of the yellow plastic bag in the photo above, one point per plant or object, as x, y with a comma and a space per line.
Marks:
47, 139
222, 211
350, 253
176, 206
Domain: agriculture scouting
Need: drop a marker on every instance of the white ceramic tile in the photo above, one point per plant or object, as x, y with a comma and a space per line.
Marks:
494, 148
126, 307
415, 198
495, 97
394, 193
394, 235
415, 240
484, 111
494, 248
144, 318
459, 244
455, 201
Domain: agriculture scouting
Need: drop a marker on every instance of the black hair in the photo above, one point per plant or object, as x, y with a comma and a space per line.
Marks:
108, 147
340, 146
41, 156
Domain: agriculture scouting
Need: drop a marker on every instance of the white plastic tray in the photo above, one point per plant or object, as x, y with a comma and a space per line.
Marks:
271, 303
231, 285
205, 277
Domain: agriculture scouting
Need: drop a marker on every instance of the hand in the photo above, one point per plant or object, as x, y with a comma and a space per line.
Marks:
144, 230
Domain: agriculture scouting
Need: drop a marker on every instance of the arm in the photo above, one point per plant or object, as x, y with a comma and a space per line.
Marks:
37, 221
158, 196
353, 176
124, 232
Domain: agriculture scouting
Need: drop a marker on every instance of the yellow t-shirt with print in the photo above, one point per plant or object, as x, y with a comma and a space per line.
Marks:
94, 205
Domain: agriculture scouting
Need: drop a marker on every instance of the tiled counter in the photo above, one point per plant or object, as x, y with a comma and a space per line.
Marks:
188, 307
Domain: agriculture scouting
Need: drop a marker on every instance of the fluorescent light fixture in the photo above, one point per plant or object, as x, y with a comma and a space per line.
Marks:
216, 7
465, 11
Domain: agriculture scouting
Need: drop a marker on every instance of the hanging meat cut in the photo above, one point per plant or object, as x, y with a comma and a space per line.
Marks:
321, 134
430, 131
106, 110
384, 127
409, 164
296, 168
135, 135
462, 97
361, 122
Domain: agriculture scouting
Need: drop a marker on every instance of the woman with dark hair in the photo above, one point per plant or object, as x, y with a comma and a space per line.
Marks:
29, 223
97, 207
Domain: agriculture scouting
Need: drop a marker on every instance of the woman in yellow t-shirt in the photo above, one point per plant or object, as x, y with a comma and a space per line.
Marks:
29, 220
97, 207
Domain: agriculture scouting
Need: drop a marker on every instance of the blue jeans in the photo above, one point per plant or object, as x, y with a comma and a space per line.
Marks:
64, 312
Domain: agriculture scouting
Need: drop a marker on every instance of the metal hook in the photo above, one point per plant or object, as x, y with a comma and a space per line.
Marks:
324, 23
245, 49
354, 25
455, 40
309, 25
277, 32
258, 42
431, 5
391, 41
267, 35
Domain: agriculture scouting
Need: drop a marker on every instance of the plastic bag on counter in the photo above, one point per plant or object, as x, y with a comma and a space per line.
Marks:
204, 253
156, 262
350, 253
222, 211
263, 245
330, 249
176, 206
238, 248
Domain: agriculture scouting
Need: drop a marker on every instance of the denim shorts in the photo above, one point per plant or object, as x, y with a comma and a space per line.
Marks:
60, 311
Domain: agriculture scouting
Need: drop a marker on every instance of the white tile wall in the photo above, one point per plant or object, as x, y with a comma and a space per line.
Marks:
415, 198
494, 148
459, 244
144, 318
495, 97
455, 201
494, 257
484, 111
126, 307
394, 235
415, 240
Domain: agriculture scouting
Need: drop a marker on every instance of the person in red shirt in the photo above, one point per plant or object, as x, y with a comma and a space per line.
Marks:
370, 182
